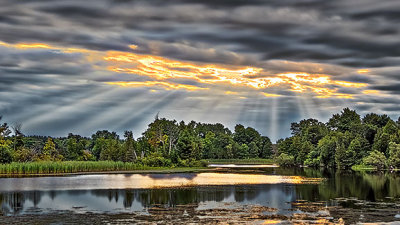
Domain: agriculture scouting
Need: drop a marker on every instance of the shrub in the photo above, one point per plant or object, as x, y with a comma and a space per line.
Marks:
376, 159
285, 160
156, 160
394, 154
5, 152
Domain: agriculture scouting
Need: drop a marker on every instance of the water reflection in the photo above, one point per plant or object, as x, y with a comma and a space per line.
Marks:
243, 166
138, 200
279, 192
143, 181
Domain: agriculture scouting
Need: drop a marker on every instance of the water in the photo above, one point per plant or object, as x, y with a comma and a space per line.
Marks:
282, 189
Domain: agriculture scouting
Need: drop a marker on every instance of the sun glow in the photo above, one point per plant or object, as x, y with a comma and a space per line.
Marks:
168, 74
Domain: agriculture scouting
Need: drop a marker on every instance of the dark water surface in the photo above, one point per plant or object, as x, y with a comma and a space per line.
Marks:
283, 189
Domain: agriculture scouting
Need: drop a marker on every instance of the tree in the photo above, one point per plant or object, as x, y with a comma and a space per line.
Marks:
381, 142
360, 146
185, 145
346, 121
394, 155
327, 149
386, 134
4, 129
23, 154
311, 130
376, 159
130, 147
208, 144
75, 145
253, 150
5, 151
285, 160
344, 158
18, 135
313, 159
284, 145
376, 120
112, 150
242, 152
5, 145
265, 147
49, 152
305, 149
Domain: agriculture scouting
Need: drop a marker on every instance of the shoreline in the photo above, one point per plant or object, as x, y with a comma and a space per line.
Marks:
155, 170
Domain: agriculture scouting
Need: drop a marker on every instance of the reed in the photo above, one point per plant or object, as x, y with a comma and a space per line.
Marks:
49, 167
242, 161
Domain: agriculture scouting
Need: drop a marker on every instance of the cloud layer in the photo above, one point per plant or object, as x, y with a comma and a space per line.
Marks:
73, 66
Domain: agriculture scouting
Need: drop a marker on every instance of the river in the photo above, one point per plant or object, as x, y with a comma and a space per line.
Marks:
257, 195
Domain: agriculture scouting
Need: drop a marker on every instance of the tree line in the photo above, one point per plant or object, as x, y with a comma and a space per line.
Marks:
347, 139
164, 143
344, 141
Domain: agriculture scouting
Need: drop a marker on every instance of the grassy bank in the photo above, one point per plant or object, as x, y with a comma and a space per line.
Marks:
363, 168
241, 161
70, 167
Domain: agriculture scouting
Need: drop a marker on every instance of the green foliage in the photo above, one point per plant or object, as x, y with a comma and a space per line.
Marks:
75, 145
345, 140
242, 161
23, 155
311, 130
376, 159
394, 155
344, 158
111, 150
376, 120
285, 160
313, 159
156, 160
4, 130
345, 121
6, 153
49, 167
49, 152
242, 152
129, 147
186, 145
265, 148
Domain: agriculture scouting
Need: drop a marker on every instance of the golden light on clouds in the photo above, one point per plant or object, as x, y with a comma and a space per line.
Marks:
162, 84
168, 73
268, 95
362, 71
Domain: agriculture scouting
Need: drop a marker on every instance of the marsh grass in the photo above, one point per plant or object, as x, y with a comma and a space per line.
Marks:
48, 167
363, 168
242, 161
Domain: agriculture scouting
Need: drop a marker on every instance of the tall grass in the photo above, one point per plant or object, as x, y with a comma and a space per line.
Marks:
242, 161
48, 167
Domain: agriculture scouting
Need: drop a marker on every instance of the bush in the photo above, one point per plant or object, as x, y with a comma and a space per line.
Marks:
376, 159
394, 154
313, 159
156, 160
285, 160
5, 153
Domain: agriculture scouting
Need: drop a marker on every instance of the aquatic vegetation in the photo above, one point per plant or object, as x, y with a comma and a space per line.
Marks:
242, 161
49, 167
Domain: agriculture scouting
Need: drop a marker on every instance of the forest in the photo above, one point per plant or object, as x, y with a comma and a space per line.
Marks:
347, 139
165, 143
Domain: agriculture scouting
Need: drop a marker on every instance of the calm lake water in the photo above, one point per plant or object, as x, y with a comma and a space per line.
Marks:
277, 188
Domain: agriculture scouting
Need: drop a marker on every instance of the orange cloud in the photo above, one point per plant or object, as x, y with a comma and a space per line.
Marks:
162, 84
161, 69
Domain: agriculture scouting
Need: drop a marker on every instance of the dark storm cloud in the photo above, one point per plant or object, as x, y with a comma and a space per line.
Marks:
393, 88
314, 36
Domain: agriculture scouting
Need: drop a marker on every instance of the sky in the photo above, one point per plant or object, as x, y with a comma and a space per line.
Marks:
82, 66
